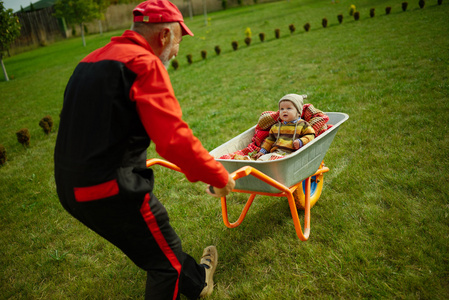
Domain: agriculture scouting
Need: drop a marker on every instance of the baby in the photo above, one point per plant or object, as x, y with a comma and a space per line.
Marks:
290, 133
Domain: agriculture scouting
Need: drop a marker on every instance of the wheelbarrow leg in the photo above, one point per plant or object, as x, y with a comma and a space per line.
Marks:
285, 191
303, 236
224, 211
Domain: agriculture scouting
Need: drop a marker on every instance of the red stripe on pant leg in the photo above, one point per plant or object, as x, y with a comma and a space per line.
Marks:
95, 192
150, 219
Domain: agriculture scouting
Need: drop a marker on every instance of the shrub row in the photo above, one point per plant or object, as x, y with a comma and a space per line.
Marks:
277, 32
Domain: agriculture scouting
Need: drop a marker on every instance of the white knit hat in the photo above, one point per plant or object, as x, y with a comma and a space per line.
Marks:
297, 100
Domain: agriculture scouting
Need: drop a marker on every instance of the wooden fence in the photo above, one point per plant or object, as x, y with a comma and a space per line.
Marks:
38, 28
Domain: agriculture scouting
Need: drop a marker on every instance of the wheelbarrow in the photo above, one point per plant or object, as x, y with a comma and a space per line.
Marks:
298, 176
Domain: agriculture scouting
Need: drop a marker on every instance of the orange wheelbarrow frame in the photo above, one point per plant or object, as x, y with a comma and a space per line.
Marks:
284, 191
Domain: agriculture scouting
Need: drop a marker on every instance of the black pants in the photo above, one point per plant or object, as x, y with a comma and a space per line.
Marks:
141, 229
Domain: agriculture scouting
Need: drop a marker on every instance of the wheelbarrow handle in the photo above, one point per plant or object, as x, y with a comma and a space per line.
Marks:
157, 161
242, 172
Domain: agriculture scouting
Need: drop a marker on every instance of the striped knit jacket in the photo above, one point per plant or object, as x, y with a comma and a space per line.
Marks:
283, 134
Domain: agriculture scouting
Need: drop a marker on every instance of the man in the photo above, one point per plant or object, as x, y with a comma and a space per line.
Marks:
117, 100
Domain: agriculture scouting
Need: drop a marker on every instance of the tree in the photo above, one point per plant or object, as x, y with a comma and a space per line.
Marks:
9, 30
205, 12
77, 12
102, 6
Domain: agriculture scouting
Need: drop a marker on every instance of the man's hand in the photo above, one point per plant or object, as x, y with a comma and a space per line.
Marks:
221, 192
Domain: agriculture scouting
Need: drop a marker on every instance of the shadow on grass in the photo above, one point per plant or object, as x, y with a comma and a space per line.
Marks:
264, 221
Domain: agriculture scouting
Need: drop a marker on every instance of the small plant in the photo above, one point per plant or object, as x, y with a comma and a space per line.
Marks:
262, 36
251, 154
404, 6
23, 137
421, 3
372, 12
217, 50
248, 41
235, 45
203, 54
292, 28
324, 22
307, 27
248, 33
352, 10
189, 59
2, 155
356, 15
47, 124
57, 256
387, 10
277, 33
340, 18
175, 64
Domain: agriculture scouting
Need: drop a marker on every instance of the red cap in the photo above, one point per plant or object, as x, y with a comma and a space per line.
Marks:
159, 11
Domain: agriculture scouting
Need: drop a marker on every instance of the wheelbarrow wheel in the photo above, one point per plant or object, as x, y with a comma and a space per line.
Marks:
316, 186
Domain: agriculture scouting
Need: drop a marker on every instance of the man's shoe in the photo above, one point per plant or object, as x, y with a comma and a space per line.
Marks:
209, 260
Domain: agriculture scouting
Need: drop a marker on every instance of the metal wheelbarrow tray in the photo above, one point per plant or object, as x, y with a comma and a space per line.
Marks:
288, 170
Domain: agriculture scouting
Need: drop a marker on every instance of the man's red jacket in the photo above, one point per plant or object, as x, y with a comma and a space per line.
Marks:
118, 99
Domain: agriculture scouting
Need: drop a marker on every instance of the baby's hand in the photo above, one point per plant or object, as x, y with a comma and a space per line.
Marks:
296, 144
256, 156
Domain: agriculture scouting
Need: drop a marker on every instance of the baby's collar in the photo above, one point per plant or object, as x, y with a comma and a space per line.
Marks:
294, 121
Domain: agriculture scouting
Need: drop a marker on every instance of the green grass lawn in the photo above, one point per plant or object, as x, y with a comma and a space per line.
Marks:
381, 226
